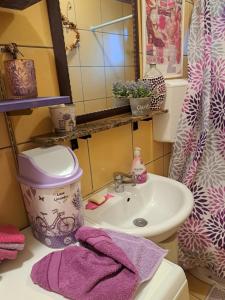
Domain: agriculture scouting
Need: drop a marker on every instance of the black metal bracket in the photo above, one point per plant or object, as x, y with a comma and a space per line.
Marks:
74, 144
135, 125
88, 136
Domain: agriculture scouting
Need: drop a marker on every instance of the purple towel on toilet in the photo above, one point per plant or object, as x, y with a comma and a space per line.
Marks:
99, 269
144, 254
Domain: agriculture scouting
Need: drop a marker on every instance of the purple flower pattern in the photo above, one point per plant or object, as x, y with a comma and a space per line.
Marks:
198, 158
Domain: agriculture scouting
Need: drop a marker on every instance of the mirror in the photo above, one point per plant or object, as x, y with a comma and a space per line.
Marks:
97, 58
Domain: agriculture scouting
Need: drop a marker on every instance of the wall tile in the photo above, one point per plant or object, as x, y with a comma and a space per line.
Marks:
95, 105
156, 167
128, 24
79, 108
129, 73
109, 102
167, 148
93, 79
19, 26
4, 138
83, 158
197, 288
37, 123
166, 164
46, 76
129, 50
76, 83
113, 74
88, 13
110, 151
110, 10
143, 138
44, 62
91, 48
73, 58
113, 49
68, 9
12, 210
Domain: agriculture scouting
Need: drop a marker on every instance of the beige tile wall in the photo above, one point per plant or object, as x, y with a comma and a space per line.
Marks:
104, 56
105, 152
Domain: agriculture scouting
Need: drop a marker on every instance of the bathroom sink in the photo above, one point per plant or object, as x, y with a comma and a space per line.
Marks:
154, 209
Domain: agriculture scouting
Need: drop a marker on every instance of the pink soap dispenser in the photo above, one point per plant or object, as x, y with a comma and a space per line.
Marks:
138, 168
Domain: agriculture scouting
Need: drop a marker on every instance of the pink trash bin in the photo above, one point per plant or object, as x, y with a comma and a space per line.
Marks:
50, 183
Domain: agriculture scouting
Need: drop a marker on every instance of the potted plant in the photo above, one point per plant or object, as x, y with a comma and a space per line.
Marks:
120, 92
142, 98
19, 74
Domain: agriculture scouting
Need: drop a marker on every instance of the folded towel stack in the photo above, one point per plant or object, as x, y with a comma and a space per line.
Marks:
11, 241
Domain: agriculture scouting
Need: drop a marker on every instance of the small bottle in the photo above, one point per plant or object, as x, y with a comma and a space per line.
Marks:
138, 168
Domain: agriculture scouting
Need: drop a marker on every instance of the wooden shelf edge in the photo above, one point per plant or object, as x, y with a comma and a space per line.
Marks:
21, 104
87, 129
18, 4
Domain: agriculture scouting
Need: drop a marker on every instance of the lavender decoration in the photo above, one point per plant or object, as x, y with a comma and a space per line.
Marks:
20, 74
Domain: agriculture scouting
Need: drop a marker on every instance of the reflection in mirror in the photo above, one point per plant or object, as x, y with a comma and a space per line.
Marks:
103, 56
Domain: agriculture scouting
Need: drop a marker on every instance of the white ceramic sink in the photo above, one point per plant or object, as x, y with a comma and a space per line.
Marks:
164, 203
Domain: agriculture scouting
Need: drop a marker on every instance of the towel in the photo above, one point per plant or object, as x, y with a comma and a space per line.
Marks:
98, 271
143, 253
11, 234
101, 268
12, 246
7, 254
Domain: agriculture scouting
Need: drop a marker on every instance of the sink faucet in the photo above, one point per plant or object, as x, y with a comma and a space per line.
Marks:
120, 179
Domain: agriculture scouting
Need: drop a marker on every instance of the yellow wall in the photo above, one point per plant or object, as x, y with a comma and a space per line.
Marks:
99, 156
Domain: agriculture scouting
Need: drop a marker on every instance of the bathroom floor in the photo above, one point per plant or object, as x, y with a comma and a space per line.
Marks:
198, 289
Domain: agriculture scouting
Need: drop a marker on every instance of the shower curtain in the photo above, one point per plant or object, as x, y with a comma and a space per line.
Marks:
198, 158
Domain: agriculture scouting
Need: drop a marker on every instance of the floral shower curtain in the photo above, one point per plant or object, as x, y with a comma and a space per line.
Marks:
198, 158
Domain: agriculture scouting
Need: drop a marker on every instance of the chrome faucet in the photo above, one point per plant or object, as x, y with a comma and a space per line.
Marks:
120, 179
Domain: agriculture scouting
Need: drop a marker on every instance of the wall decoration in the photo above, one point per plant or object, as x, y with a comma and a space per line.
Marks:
71, 34
20, 74
162, 33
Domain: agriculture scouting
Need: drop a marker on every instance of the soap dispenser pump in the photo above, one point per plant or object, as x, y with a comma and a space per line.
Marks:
138, 168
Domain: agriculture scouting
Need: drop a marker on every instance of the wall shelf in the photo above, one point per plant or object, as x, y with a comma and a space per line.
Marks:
87, 129
17, 4
20, 104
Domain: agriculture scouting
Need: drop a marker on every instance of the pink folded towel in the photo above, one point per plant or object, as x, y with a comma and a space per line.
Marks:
11, 234
7, 254
12, 246
98, 272
99, 269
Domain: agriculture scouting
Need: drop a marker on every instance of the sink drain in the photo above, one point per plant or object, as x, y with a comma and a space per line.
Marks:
140, 222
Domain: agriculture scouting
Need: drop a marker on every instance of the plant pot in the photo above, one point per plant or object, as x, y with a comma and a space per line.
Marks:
143, 106
120, 101
20, 78
63, 117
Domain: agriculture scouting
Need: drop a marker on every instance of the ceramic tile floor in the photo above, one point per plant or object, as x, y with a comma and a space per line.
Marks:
198, 289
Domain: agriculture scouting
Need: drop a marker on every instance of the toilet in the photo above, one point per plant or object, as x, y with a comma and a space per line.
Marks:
168, 283
165, 125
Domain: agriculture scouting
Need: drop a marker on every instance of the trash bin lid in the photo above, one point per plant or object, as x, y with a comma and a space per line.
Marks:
48, 167
55, 161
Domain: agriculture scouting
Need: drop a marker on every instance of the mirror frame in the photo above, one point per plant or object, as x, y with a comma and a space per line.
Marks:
61, 60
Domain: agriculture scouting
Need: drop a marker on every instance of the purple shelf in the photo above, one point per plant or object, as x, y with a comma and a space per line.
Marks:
17, 4
12, 105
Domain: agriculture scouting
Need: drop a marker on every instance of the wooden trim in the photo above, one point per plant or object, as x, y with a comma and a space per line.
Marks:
102, 114
59, 48
61, 60
136, 39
